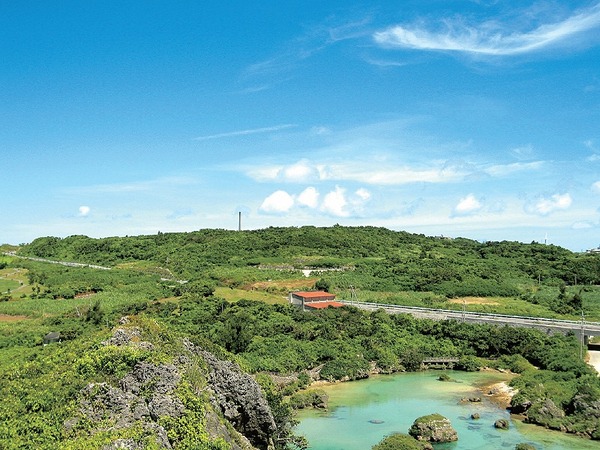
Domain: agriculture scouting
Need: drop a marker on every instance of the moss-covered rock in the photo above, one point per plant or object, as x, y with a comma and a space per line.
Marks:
433, 428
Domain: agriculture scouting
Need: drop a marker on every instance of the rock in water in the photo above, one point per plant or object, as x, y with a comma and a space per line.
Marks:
433, 428
501, 424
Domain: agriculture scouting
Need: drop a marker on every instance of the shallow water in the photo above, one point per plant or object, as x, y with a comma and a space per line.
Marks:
361, 413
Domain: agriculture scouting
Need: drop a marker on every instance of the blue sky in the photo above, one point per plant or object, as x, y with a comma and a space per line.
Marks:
478, 119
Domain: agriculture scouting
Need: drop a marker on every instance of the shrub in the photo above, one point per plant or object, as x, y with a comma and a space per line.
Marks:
399, 441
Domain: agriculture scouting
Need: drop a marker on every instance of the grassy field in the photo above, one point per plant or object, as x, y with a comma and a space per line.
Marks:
234, 295
15, 280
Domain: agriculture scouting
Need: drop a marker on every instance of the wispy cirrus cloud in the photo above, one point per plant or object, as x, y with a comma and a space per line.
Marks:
507, 169
281, 66
491, 37
245, 132
134, 186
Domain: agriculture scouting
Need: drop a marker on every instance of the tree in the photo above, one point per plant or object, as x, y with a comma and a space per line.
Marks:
322, 285
95, 314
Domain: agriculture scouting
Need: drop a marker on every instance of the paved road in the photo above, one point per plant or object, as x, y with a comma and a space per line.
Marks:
547, 325
62, 263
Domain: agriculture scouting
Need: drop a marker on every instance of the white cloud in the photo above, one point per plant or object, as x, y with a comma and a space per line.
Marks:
278, 202
309, 197
244, 132
84, 211
299, 172
383, 172
264, 173
489, 37
596, 187
386, 174
546, 205
363, 194
522, 153
582, 226
335, 203
499, 170
467, 205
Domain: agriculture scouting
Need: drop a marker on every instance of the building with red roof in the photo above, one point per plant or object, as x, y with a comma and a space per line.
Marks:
313, 299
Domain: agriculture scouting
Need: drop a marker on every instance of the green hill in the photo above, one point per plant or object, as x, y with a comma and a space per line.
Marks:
148, 348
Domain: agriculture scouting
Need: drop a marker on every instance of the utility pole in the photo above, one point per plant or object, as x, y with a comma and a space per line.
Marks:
581, 352
352, 295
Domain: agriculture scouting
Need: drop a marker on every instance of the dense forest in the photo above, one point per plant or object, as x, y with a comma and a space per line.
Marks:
171, 299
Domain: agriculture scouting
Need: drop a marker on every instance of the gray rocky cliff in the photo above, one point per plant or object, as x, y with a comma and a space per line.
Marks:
237, 412
240, 400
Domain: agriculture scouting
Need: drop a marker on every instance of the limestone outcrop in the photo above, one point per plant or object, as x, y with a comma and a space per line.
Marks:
236, 411
433, 428
241, 401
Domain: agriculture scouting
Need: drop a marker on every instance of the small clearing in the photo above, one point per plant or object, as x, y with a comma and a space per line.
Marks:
283, 284
10, 318
474, 301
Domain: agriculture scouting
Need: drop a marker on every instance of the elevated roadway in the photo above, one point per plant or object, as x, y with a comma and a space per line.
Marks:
549, 326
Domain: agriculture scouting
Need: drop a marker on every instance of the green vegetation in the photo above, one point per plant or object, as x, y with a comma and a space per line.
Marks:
399, 441
226, 291
381, 265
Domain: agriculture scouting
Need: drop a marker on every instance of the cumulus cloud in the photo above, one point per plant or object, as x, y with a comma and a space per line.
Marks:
546, 205
84, 211
277, 203
490, 37
309, 197
467, 205
335, 203
596, 187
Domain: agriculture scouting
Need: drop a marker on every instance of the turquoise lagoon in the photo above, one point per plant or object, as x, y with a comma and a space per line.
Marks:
362, 412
